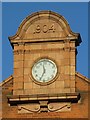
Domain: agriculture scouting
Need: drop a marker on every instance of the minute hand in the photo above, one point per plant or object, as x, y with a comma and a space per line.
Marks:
44, 68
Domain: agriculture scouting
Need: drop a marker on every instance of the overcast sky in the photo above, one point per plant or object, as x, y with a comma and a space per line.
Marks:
13, 14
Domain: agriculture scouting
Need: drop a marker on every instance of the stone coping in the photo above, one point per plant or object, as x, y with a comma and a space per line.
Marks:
82, 77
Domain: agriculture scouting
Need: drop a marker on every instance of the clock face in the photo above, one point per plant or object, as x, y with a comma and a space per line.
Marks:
44, 70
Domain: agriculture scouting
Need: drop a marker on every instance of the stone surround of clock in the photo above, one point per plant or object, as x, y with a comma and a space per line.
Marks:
44, 38
44, 71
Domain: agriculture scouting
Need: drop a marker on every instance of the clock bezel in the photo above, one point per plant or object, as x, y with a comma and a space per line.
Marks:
50, 81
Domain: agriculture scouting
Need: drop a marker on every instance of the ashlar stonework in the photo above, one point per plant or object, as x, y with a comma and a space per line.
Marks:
43, 44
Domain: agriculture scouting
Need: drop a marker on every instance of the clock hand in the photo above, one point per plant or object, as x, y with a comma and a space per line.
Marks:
43, 71
42, 76
44, 68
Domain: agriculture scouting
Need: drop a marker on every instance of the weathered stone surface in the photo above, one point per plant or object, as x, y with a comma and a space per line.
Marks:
44, 35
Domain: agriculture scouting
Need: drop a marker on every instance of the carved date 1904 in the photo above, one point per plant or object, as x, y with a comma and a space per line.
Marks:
44, 28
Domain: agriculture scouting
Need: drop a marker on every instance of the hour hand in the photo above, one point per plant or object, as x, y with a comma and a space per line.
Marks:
43, 72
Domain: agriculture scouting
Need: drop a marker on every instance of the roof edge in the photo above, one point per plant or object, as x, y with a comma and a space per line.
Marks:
77, 74
6, 80
83, 77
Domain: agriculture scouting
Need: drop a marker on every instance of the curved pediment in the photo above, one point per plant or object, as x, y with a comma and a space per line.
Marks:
43, 26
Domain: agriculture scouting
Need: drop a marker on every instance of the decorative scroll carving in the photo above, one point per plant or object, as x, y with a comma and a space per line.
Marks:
44, 106
44, 103
29, 108
57, 107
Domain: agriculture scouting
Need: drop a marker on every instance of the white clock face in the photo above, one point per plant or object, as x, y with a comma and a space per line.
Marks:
44, 70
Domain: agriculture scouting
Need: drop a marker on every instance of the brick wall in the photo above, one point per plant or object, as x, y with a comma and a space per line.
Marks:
78, 110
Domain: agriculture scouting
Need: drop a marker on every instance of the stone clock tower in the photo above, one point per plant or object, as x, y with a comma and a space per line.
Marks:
45, 51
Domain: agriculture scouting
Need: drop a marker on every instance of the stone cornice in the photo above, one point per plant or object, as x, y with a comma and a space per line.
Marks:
20, 51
